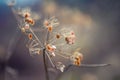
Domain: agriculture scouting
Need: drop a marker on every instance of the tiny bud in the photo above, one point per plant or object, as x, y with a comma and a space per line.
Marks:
23, 29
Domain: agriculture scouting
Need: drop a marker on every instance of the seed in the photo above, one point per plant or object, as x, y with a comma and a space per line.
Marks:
50, 28
30, 36
57, 36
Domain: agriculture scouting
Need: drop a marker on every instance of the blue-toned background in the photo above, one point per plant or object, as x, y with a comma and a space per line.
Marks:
97, 24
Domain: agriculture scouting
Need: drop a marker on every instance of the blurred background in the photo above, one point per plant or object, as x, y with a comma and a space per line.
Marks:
96, 24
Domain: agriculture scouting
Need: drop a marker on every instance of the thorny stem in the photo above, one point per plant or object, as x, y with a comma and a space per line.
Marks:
45, 65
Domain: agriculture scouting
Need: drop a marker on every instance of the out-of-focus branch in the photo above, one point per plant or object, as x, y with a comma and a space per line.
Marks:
94, 65
88, 66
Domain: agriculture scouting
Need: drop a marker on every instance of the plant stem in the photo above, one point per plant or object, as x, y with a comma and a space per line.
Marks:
40, 43
45, 65
88, 66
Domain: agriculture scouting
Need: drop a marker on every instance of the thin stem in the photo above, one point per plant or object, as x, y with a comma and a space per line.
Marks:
63, 53
50, 60
52, 41
47, 37
63, 56
88, 66
45, 65
94, 65
36, 37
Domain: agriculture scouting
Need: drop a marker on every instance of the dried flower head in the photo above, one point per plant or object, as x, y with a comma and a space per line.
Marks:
49, 47
25, 13
70, 38
50, 23
29, 21
76, 58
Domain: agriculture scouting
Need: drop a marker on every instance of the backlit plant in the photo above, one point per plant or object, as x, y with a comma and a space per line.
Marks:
54, 40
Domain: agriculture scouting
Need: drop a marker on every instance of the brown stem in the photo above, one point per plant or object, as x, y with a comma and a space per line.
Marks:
45, 65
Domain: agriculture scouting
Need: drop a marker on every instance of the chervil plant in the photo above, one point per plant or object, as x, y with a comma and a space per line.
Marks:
53, 40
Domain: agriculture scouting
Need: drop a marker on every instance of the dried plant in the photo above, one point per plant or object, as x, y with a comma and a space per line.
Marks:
54, 41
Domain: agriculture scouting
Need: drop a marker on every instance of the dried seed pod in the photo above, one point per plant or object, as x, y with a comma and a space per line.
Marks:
26, 12
30, 36
70, 39
58, 36
26, 15
29, 21
50, 28
48, 47
77, 61
51, 49
32, 22
76, 58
